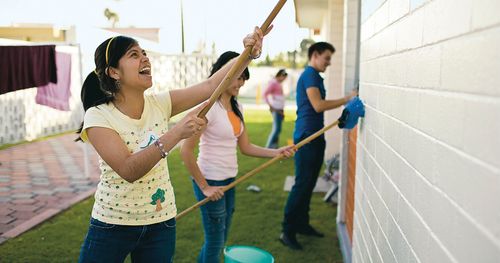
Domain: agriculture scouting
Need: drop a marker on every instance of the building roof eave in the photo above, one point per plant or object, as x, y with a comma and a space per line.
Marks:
310, 13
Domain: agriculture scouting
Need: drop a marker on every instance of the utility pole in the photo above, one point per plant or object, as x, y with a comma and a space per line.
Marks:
182, 27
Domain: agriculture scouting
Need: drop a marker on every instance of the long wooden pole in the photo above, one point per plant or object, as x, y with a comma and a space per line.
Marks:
240, 64
258, 169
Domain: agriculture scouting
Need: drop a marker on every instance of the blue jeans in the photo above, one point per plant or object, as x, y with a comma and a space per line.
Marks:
274, 136
216, 217
112, 243
308, 162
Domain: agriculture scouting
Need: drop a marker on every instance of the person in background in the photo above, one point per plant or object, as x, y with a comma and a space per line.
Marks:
273, 95
217, 163
311, 104
134, 209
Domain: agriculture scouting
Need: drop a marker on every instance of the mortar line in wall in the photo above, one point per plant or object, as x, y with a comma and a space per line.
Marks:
379, 7
460, 209
472, 32
476, 160
431, 91
441, 51
362, 235
371, 232
431, 232
356, 256
361, 239
410, 12
378, 223
391, 215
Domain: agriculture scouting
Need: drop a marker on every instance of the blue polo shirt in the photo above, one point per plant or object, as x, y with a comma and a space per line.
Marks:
308, 120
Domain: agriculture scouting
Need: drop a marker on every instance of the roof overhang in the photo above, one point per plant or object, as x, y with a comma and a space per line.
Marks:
34, 33
151, 34
310, 13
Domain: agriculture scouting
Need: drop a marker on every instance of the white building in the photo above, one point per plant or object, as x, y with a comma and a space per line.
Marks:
424, 184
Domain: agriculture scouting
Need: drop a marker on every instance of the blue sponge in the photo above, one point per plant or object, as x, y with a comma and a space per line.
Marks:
352, 111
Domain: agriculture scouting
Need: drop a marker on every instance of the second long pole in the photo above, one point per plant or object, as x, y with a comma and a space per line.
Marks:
258, 169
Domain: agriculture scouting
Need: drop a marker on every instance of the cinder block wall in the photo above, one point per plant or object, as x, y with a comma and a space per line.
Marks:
428, 167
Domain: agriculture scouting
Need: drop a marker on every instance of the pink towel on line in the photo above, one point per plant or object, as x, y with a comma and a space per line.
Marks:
57, 95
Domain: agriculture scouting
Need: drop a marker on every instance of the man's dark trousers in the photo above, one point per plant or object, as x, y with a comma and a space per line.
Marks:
308, 162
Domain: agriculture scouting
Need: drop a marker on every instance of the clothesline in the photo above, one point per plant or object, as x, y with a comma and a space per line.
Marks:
28, 66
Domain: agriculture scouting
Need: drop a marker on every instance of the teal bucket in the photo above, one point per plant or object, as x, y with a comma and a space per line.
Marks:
247, 254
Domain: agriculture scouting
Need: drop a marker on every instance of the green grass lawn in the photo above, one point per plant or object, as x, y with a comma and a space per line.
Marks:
257, 220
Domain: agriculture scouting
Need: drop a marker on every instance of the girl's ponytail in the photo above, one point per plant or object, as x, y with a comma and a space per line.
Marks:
92, 95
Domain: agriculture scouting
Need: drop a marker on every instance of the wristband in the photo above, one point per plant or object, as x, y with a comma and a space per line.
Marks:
256, 57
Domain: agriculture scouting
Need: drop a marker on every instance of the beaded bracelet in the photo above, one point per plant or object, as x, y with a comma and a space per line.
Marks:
159, 145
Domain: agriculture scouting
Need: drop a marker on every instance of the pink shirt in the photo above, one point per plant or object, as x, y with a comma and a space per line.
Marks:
217, 157
274, 89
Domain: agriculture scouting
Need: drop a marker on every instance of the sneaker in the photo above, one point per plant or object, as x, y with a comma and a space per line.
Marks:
310, 231
290, 241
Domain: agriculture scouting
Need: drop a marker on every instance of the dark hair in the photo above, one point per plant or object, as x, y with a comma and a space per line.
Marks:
221, 61
319, 47
281, 72
99, 88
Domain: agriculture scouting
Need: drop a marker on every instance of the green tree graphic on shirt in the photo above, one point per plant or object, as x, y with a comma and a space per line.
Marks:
158, 198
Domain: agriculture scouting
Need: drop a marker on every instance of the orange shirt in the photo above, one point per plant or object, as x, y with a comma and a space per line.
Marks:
235, 122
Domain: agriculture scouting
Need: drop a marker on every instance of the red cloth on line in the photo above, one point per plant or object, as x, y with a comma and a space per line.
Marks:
24, 67
57, 95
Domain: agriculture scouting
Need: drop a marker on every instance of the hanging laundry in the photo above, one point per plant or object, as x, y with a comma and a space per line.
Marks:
24, 67
57, 95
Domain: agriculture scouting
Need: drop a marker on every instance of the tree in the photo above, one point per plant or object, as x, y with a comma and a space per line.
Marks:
158, 198
304, 46
288, 59
111, 16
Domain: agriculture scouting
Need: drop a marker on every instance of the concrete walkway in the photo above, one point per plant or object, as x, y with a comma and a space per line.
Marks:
40, 179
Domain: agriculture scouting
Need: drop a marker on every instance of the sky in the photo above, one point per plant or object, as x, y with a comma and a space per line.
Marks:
223, 22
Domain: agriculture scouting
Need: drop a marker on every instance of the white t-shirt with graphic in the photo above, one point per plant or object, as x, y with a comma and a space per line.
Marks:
150, 199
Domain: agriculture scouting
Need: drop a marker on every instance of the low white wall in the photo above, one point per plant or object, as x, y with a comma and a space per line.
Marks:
22, 118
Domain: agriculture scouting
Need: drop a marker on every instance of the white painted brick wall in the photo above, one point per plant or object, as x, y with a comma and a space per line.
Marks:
381, 17
485, 13
397, 9
471, 64
446, 18
428, 168
410, 30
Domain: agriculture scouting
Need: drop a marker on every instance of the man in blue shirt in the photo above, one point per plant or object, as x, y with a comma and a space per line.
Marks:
311, 104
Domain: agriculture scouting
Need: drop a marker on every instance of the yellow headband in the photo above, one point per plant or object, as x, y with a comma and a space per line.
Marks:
107, 49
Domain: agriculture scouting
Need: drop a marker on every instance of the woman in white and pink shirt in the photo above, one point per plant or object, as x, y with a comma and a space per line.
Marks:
217, 163
276, 106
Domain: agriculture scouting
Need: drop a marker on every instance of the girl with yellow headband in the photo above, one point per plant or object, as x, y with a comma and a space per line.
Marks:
134, 210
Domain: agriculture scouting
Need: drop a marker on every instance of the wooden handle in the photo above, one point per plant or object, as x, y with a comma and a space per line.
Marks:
258, 169
240, 64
